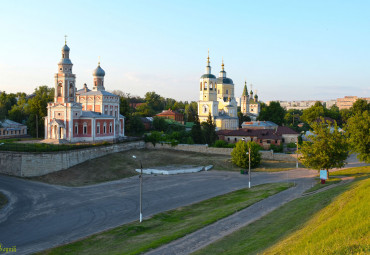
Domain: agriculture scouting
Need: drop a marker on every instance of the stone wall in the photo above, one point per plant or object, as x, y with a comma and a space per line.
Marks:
28, 164
203, 148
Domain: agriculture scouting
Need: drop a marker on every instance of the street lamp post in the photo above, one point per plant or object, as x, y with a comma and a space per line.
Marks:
249, 163
141, 188
297, 153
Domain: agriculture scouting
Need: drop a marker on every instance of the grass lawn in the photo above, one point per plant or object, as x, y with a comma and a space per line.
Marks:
334, 221
3, 200
163, 228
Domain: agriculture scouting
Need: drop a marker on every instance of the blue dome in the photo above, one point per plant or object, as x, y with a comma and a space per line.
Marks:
65, 61
99, 71
65, 48
224, 80
211, 76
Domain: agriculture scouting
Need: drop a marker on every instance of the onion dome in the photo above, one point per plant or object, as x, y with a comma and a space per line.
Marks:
99, 71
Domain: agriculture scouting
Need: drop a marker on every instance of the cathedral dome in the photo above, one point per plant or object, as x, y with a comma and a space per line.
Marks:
210, 76
99, 71
65, 48
224, 80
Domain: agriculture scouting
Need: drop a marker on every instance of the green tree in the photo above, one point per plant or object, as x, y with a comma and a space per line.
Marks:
209, 130
190, 111
134, 125
274, 112
20, 111
314, 112
326, 149
38, 110
358, 130
360, 106
196, 131
154, 101
242, 118
160, 124
240, 157
144, 110
6, 103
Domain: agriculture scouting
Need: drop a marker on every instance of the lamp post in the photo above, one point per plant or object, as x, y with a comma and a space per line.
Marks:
141, 188
249, 163
297, 153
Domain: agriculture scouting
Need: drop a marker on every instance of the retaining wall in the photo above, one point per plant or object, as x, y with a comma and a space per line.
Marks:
28, 164
203, 148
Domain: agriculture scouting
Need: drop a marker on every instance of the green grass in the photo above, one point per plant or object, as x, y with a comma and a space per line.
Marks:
334, 221
3, 200
163, 228
328, 182
355, 171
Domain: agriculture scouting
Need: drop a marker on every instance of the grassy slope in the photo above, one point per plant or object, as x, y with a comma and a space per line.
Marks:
320, 186
3, 200
329, 225
122, 165
165, 227
340, 228
355, 171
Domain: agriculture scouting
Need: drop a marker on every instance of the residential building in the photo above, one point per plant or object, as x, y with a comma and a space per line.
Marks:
12, 129
173, 115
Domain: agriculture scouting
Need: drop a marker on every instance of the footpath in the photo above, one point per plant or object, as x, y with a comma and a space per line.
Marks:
211, 233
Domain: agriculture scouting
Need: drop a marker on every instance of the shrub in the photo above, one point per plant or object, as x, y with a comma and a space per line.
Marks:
291, 145
221, 144
276, 148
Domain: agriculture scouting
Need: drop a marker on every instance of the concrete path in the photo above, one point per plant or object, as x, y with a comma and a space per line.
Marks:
211, 233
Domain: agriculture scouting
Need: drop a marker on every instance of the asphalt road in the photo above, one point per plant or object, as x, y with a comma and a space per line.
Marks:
41, 216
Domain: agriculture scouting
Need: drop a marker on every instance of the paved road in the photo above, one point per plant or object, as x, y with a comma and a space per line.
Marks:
40, 216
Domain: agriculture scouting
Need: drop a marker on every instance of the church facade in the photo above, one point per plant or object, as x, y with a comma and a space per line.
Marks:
217, 99
249, 105
84, 115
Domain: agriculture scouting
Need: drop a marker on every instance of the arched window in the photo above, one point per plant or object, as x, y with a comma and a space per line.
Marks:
205, 85
98, 128
227, 91
85, 128
60, 88
105, 128
110, 127
76, 129
200, 86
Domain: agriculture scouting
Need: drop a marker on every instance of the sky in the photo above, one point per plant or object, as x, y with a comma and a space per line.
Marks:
286, 50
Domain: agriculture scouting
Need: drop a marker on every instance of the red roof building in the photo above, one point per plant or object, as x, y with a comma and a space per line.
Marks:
173, 115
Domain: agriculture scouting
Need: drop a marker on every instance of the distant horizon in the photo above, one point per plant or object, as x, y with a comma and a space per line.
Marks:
291, 51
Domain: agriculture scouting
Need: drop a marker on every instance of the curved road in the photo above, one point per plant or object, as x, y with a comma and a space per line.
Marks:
40, 216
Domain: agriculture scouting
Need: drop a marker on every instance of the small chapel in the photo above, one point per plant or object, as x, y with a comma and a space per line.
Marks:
82, 115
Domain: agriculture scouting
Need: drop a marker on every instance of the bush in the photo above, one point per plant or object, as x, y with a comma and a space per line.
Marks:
240, 158
291, 145
276, 149
221, 144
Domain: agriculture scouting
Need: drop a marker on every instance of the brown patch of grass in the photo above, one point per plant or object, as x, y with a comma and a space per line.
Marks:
122, 165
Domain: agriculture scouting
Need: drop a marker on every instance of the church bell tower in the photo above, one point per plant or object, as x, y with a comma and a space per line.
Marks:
65, 80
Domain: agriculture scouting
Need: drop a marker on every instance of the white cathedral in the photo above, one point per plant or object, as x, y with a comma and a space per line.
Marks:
217, 98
